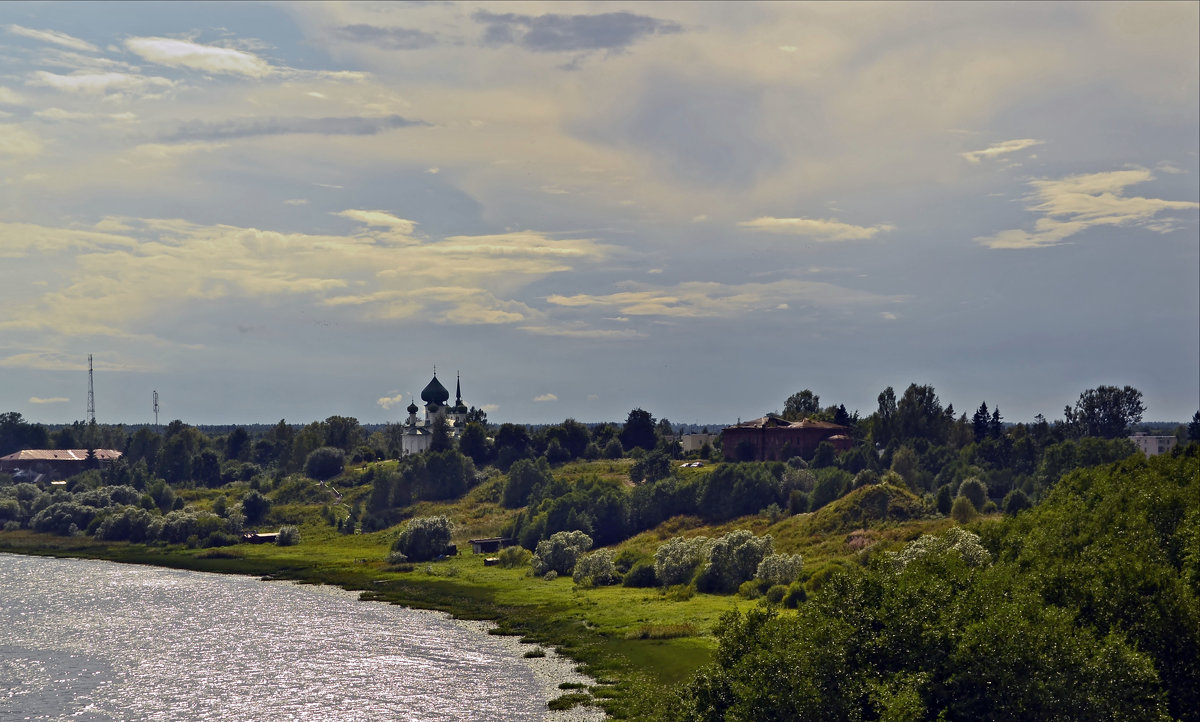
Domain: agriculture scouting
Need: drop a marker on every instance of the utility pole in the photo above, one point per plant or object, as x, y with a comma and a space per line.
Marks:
156, 409
91, 410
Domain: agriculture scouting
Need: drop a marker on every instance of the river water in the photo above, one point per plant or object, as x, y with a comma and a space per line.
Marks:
91, 640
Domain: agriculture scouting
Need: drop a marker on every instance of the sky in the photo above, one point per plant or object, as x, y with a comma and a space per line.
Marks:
267, 211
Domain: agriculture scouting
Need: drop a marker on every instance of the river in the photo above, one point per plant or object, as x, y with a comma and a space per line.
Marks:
92, 640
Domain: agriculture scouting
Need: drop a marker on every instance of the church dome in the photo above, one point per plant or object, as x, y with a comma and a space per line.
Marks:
435, 393
412, 408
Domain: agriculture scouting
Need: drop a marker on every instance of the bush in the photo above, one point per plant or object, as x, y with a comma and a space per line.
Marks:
963, 510
514, 556
596, 569
640, 575
424, 538
550, 575
255, 507
733, 559
975, 490
676, 561
780, 568
560, 552
325, 463
288, 536
776, 594
795, 596
1015, 502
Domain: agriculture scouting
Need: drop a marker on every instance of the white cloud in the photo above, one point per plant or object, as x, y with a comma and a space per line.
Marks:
593, 397
387, 402
194, 56
818, 229
380, 219
15, 141
581, 332
998, 149
545, 397
705, 299
1068, 206
52, 400
296, 202
55, 37
99, 83
8, 96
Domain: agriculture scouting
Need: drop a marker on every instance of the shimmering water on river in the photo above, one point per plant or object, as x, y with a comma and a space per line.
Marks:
88, 640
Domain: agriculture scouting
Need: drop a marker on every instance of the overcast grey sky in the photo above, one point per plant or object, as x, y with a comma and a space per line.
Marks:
269, 211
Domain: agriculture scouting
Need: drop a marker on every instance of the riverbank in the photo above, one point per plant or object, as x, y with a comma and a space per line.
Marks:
613, 635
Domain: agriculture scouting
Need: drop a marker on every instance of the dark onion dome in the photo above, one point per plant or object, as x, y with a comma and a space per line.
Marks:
435, 393
412, 408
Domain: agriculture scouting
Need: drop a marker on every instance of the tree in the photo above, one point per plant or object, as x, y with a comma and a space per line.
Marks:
560, 552
424, 538
440, 441
596, 569
979, 422
676, 561
996, 425
344, 432
1105, 411
325, 463
524, 476
801, 405
478, 416
255, 507
638, 431
883, 428
919, 415
474, 443
975, 491
1194, 427
734, 558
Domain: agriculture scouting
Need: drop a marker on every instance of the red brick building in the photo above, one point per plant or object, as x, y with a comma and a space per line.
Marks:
776, 439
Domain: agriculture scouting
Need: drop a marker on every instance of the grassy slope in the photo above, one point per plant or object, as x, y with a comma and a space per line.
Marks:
602, 628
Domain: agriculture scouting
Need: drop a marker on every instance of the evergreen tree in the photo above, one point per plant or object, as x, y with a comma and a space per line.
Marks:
980, 422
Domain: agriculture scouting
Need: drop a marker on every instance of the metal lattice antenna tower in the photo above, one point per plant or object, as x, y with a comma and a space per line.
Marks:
91, 410
155, 409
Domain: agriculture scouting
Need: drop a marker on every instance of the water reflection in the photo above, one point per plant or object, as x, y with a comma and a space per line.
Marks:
90, 640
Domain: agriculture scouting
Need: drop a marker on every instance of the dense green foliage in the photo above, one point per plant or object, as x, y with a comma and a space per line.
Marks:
424, 538
1084, 607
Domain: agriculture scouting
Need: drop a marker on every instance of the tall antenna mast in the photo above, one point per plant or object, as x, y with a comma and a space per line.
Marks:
91, 410
156, 409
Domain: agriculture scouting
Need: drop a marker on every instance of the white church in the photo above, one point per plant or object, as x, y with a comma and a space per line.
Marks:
418, 433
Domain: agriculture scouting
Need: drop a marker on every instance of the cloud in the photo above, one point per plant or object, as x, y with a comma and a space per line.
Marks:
388, 402
386, 38
252, 127
818, 229
10, 97
593, 397
709, 299
15, 141
44, 360
1008, 146
545, 397
194, 56
552, 33
1071, 205
118, 277
379, 219
55, 37
52, 400
580, 332
89, 83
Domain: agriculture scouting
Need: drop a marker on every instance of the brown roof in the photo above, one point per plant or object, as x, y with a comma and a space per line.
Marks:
778, 422
61, 455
